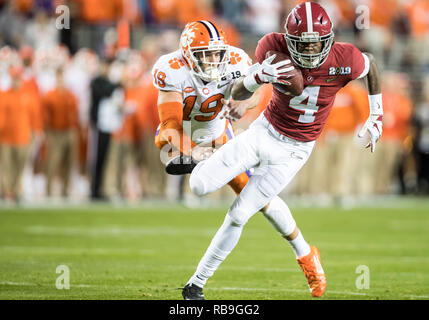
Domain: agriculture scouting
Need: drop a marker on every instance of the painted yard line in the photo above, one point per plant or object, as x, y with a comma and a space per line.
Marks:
66, 250
11, 283
119, 231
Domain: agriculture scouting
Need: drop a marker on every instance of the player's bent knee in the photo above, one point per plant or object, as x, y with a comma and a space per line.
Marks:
238, 217
197, 184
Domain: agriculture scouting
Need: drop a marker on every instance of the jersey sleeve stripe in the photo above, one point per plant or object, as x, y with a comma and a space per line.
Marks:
366, 68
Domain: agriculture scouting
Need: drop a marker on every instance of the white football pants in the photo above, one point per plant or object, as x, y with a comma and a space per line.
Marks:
275, 158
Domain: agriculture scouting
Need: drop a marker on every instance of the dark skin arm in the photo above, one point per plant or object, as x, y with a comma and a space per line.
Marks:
239, 92
373, 77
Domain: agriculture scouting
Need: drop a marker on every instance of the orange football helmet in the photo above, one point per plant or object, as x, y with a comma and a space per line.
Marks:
198, 39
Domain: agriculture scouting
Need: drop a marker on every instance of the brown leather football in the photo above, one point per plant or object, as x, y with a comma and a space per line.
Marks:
297, 81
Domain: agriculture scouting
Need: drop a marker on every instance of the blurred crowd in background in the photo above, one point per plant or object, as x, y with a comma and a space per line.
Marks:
52, 133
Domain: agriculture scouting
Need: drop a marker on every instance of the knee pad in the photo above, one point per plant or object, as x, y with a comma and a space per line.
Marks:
238, 216
196, 183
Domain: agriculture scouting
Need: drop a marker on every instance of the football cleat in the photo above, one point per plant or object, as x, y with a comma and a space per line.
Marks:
192, 292
179, 165
313, 271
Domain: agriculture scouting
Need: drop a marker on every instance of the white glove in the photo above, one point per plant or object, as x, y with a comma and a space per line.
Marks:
374, 126
268, 73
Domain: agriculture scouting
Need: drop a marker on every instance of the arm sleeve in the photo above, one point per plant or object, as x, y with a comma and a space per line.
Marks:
359, 64
171, 131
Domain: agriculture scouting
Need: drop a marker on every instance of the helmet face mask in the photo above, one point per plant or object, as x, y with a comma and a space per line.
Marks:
201, 44
309, 60
308, 23
205, 67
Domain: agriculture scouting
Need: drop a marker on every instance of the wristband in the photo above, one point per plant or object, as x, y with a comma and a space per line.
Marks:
375, 104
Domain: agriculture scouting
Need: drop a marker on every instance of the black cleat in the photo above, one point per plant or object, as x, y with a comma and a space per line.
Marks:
192, 292
180, 165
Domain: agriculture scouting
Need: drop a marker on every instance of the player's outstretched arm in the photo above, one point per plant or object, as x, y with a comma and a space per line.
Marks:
239, 91
374, 124
170, 110
170, 115
373, 77
235, 109
267, 72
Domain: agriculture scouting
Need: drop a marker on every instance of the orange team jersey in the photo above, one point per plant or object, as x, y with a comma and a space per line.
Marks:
397, 116
383, 12
147, 113
133, 98
100, 10
346, 113
60, 110
2, 120
418, 11
163, 10
29, 84
202, 104
17, 108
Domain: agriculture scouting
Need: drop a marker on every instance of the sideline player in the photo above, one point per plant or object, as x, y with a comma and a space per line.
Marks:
280, 141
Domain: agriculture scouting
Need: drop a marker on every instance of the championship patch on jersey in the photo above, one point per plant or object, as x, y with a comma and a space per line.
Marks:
335, 71
338, 71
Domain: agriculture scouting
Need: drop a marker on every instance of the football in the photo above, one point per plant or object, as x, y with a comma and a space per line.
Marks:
297, 81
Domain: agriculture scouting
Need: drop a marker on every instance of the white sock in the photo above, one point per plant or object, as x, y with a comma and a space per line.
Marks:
279, 215
224, 241
299, 246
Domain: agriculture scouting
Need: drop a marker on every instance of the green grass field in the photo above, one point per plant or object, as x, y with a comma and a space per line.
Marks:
149, 252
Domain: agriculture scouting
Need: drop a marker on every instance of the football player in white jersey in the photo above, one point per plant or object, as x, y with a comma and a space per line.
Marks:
194, 85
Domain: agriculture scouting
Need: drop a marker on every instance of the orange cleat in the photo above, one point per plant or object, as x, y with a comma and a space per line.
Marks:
313, 271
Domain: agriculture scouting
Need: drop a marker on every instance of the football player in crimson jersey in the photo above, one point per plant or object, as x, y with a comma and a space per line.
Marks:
194, 85
279, 142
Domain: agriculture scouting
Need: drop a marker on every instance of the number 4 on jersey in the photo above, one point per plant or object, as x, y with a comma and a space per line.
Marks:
312, 93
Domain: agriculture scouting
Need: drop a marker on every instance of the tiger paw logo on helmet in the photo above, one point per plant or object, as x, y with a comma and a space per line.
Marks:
175, 63
235, 58
188, 35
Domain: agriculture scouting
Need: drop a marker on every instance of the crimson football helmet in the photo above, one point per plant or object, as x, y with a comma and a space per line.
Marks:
202, 37
309, 22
